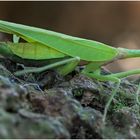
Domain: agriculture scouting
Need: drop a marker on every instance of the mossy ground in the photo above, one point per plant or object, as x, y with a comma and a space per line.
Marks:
47, 105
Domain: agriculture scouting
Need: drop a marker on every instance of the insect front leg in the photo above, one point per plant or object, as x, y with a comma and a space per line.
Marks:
100, 77
114, 78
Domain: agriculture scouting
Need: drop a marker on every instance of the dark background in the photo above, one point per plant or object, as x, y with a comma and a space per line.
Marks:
113, 23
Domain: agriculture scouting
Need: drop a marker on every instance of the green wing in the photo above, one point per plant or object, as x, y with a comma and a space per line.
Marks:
33, 51
72, 46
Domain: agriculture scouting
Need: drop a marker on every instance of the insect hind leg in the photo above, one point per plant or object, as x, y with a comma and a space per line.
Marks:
72, 61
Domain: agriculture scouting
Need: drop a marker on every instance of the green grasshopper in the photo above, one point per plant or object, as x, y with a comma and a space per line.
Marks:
63, 53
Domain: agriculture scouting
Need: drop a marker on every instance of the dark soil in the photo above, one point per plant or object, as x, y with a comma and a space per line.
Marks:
47, 105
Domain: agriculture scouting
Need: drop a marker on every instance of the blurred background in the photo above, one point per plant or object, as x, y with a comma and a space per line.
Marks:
113, 23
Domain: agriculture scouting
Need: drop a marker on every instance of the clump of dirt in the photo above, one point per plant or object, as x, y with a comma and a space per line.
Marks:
47, 105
